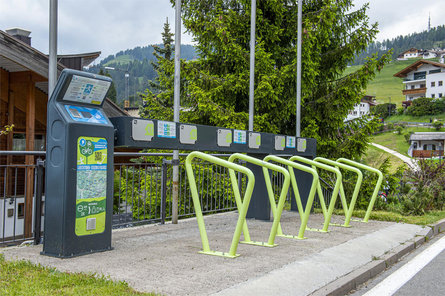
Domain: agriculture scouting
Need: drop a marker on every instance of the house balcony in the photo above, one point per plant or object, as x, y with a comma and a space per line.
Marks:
419, 79
415, 91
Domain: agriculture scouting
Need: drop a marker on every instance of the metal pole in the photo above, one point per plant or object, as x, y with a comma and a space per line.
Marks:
52, 62
38, 202
177, 92
300, 16
252, 63
127, 86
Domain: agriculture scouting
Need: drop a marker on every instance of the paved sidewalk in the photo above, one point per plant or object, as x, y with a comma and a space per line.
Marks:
408, 160
165, 259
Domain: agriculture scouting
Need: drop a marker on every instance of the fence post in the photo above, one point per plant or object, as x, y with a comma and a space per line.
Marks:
164, 189
40, 165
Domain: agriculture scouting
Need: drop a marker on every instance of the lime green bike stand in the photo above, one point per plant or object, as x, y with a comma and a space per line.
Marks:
197, 205
327, 213
276, 209
377, 186
304, 213
358, 183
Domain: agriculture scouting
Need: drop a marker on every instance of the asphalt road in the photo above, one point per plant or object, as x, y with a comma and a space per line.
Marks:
426, 280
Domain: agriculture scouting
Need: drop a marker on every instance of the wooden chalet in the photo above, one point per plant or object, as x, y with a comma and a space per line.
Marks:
23, 102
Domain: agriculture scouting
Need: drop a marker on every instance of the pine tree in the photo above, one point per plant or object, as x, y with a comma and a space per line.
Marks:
112, 91
218, 81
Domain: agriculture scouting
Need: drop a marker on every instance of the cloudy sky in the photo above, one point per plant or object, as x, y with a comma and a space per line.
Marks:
113, 25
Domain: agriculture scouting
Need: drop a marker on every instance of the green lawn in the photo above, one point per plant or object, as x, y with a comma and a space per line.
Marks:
122, 59
374, 157
409, 118
24, 278
385, 85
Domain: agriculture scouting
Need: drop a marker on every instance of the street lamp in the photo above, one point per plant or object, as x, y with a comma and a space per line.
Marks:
127, 78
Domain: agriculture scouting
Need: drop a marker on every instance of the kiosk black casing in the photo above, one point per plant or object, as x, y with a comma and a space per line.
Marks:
60, 238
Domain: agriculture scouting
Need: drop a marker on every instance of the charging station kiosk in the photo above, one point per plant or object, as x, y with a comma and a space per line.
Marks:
79, 167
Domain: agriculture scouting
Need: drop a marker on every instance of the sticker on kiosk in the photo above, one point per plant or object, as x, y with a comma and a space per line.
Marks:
91, 185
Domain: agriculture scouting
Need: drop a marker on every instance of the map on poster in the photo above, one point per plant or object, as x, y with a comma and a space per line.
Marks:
91, 185
86, 90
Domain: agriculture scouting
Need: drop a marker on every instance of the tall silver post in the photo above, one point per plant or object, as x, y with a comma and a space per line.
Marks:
177, 92
252, 63
300, 16
52, 65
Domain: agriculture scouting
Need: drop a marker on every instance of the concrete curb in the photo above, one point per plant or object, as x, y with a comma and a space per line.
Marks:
347, 283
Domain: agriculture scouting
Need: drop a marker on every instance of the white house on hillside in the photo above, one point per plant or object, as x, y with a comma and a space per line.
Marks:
364, 108
423, 79
409, 54
413, 53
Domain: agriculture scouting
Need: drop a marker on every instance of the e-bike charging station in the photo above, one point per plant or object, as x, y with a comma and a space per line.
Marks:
79, 164
152, 133
79, 167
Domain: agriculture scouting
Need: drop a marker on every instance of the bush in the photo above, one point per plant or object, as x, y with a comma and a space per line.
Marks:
426, 188
407, 136
384, 110
426, 106
437, 125
399, 129
390, 185
390, 126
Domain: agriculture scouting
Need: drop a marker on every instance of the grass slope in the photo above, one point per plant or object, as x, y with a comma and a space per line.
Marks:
374, 157
385, 85
409, 118
122, 59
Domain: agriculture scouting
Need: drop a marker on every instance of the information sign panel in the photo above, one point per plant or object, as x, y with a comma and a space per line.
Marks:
239, 137
166, 129
91, 189
86, 90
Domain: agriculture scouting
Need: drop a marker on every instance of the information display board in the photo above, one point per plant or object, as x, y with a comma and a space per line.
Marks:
86, 90
79, 167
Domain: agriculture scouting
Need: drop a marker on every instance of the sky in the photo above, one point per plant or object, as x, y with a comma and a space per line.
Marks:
110, 26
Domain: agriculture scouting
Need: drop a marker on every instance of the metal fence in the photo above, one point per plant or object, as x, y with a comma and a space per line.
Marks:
142, 193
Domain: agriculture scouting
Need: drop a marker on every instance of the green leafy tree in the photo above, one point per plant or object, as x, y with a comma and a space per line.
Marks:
217, 83
159, 102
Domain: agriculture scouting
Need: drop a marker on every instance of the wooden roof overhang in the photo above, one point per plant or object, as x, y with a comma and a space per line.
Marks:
416, 65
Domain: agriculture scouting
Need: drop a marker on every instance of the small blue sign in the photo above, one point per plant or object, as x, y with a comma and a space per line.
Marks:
85, 114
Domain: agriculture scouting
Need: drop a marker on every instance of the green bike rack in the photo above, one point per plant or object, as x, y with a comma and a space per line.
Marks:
243, 209
276, 210
377, 186
327, 213
304, 213
350, 208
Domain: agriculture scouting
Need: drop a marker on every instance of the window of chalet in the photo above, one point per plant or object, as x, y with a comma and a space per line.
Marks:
440, 83
425, 147
419, 75
434, 71
433, 83
433, 96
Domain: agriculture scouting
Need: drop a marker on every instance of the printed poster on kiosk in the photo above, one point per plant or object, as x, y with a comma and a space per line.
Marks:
91, 188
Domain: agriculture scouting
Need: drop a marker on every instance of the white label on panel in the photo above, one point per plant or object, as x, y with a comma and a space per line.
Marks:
166, 129
290, 142
239, 137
